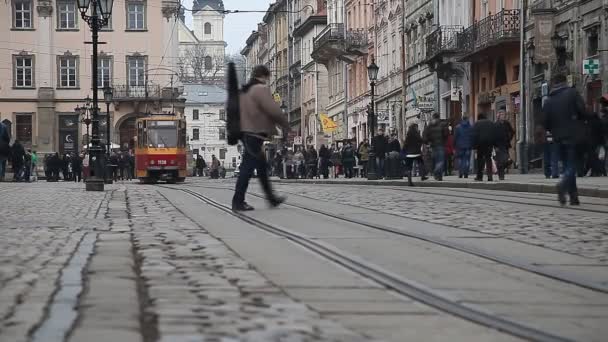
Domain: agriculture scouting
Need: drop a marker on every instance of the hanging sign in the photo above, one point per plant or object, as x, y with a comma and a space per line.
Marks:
543, 31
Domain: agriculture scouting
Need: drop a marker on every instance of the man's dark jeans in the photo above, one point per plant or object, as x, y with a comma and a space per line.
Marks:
438, 160
464, 161
380, 166
484, 159
502, 159
253, 159
568, 156
551, 159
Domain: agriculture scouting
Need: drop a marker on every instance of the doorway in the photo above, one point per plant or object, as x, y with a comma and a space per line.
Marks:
127, 132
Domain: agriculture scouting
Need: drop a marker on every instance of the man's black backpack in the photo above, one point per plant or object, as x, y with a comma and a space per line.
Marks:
233, 115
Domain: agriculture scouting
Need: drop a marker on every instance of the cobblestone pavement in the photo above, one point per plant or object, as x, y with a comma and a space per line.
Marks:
40, 227
576, 232
126, 265
198, 287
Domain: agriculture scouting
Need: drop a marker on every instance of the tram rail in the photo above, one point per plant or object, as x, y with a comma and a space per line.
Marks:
512, 262
386, 278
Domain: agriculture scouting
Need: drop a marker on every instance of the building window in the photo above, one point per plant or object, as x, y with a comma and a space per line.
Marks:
23, 129
222, 134
208, 63
136, 15
592, 43
22, 14
195, 134
501, 73
516, 73
104, 72
207, 28
223, 114
136, 70
195, 114
67, 15
68, 71
23, 71
195, 151
222, 153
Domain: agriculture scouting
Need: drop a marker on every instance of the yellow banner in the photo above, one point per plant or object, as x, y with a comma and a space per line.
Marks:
327, 124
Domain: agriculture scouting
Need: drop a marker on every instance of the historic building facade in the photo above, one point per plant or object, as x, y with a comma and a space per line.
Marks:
47, 70
206, 124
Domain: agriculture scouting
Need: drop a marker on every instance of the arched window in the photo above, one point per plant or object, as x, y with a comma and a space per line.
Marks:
208, 63
207, 28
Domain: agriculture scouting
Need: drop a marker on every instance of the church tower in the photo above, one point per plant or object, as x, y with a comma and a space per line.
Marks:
203, 49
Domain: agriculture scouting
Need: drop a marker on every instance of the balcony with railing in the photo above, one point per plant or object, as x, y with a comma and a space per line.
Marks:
443, 42
328, 43
356, 42
123, 92
501, 30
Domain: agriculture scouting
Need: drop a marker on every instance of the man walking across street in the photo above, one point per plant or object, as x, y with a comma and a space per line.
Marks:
435, 135
259, 115
504, 135
483, 141
463, 141
565, 113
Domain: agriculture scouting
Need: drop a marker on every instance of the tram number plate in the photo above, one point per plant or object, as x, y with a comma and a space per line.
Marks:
162, 162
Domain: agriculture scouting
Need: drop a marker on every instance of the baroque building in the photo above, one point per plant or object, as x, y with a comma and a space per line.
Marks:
47, 70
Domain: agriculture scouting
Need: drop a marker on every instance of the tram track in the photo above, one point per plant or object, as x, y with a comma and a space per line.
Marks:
504, 198
461, 247
383, 277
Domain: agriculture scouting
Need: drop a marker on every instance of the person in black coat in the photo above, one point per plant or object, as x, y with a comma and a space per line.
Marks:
380, 147
76, 167
565, 114
412, 149
56, 164
504, 135
324, 157
17, 160
483, 141
436, 134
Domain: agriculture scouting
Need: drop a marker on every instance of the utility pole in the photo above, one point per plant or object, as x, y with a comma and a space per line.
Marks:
523, 126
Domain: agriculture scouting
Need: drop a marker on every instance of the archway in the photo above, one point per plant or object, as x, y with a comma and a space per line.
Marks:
127, 132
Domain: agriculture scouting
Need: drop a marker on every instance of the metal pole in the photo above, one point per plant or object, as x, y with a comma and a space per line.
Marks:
96, 157
522, 143
371, 164
108, 172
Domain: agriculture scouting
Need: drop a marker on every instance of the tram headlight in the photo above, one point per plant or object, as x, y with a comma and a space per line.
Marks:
152, 162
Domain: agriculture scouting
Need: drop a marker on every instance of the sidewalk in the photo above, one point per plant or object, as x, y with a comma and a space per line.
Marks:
588, 186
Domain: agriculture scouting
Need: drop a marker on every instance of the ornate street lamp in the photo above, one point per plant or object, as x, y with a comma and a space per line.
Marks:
372, 74
96, 13
107, 97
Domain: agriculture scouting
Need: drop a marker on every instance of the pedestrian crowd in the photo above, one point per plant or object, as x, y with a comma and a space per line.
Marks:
69, 167
574, 141
214, 171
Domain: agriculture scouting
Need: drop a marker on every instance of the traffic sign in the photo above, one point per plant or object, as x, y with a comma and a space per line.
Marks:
591, 67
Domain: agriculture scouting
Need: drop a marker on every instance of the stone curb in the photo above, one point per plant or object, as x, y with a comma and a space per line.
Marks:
513, 187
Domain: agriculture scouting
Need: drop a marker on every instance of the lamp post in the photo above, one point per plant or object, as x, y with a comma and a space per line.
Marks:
84, 117
285, 136
100, 12
372, 73
107, 97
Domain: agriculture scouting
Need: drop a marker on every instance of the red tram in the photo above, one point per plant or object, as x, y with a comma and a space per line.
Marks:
160, 152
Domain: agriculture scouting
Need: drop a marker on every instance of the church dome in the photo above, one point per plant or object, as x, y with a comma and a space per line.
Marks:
200, 4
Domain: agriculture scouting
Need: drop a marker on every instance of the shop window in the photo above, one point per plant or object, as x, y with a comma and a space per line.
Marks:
592, 43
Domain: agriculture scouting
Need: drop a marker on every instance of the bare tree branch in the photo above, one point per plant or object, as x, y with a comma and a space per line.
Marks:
198, 64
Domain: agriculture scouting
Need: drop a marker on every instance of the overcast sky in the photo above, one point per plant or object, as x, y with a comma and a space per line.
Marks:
237, 27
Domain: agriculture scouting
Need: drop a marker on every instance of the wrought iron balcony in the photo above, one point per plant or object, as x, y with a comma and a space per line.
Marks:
443, 42
493, 31
125, 92
356, 42
328, 43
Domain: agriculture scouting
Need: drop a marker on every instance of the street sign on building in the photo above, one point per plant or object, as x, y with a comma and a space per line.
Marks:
297, 140
591, 67
277, 97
